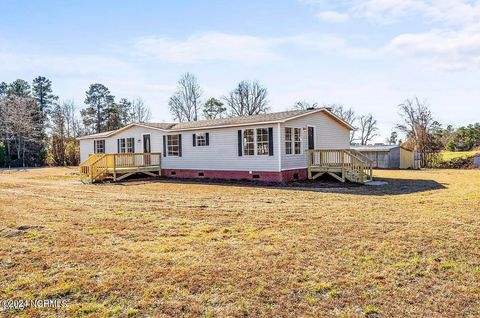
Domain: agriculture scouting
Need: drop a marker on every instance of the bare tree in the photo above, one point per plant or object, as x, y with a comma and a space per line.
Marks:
20, 127
248, 98
347, 115
368, 128
185, 102
418, 126
141, 113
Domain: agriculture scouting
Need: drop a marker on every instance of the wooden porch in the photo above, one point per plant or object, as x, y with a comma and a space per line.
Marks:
342, 164
98, 167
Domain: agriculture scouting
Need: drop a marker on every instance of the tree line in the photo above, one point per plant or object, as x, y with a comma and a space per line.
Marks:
37, 129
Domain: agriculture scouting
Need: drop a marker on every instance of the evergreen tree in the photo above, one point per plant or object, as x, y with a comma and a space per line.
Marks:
213, 108
57, 140
3, 89
99, 100
113, 117
126, 111
19, 88
42, 91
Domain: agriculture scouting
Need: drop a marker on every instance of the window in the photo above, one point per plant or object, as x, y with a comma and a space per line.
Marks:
293, 141
99, 146
248, 142
121, 145
130, 144
201, 139
297, 133
126, 145
173, 145
262, 141
288, 140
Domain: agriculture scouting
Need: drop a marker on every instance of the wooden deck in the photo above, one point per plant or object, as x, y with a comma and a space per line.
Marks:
97, 167
342, 164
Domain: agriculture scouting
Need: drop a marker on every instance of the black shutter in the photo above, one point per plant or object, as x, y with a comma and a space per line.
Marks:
194, 140
118, 145
133, 144
239, 143
164, 146
179, 145
270, 141
94, 146
207, 139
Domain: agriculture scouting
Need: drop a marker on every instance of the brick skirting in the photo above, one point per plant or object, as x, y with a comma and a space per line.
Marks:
267, 176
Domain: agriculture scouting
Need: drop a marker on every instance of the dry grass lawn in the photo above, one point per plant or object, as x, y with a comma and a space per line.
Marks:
162, 249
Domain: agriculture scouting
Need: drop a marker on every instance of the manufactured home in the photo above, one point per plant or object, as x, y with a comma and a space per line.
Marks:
281, 147
389, 156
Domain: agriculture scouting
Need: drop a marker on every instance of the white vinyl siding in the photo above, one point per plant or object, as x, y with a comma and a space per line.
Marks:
329, 134
222, 152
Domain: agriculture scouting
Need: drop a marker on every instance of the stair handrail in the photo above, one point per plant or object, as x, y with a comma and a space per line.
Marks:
359, 154
96, 166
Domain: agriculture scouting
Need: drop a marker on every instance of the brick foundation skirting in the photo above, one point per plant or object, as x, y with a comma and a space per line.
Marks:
267, 176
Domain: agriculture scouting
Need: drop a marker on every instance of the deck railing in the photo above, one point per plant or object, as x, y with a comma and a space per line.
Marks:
347, 162
96, 166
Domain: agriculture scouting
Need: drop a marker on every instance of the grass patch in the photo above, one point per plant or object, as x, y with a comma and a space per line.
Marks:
147, 249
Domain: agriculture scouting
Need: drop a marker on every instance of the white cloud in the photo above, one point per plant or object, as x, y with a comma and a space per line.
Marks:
450, 12
211, 46
215, 46
332, 16
448, 50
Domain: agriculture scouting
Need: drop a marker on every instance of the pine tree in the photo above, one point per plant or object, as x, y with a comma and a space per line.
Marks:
99, 100
213, 108
3, 89
42, 91
126, 111
19, 88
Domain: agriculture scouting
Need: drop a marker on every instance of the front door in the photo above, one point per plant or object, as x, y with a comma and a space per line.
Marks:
146, 150
311, 137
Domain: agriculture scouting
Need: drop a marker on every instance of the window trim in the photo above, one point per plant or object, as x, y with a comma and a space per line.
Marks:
256, 142
204, 139
249, 142
292, 140
95, 146
125, 146
169, 146
264, 142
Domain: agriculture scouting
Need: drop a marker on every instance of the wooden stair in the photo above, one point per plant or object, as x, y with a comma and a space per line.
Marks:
342, 164
98, 167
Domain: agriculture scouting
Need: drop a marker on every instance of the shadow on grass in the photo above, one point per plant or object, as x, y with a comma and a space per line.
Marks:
323, 184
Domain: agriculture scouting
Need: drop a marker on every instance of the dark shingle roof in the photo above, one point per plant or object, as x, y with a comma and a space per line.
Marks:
221, 122
231, 121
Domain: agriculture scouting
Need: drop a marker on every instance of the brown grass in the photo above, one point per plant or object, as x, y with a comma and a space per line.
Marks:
408, 249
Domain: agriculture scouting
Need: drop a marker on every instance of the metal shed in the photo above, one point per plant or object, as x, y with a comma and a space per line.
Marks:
388, 156
476, 161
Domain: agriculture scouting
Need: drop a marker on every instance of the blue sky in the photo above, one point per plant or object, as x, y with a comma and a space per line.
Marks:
369, 55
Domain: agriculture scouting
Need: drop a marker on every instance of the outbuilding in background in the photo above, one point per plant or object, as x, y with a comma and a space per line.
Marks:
389, 156
476, 161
